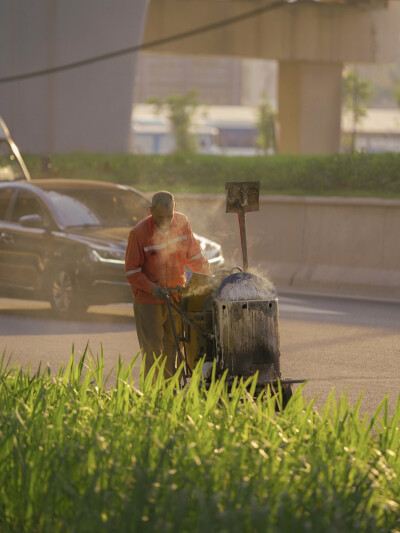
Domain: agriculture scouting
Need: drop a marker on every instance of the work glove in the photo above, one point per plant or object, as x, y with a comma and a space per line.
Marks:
158, 292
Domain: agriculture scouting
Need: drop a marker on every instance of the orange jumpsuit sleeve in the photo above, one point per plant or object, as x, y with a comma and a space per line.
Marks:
195, 258
134, 261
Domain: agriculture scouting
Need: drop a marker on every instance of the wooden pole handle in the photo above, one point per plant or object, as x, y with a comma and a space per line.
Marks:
243, 239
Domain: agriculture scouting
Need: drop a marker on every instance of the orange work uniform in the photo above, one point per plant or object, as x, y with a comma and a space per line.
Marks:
155, 257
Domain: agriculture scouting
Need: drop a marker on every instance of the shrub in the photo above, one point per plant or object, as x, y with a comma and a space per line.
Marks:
337, 174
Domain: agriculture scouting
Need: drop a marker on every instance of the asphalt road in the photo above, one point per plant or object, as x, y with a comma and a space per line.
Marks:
349, 344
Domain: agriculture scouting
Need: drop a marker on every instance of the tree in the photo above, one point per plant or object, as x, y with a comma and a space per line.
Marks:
180, 111
356, 94
265, 125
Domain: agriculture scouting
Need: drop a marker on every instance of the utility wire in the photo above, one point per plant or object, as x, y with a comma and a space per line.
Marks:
158, 42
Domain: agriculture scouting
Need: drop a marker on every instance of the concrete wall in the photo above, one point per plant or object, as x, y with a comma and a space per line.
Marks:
84, 109
328, 244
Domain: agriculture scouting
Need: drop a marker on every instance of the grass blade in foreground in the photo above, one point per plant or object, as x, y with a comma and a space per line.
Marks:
78, 456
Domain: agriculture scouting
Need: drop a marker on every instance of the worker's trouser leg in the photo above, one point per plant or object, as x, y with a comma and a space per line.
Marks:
155, 335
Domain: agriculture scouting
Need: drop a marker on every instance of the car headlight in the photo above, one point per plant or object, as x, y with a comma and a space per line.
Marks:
107, 256
203, 246
210, 249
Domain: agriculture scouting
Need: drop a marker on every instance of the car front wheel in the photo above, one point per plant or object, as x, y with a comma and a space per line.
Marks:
64, 294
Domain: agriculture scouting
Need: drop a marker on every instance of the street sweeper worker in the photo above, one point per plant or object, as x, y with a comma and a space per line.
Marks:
159, 247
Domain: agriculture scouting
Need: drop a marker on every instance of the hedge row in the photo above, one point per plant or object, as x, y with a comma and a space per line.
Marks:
336, 174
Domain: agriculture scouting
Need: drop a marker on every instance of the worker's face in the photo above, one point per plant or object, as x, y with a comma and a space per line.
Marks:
163, 216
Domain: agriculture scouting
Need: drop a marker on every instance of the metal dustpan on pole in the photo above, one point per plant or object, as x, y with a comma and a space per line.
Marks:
241, 198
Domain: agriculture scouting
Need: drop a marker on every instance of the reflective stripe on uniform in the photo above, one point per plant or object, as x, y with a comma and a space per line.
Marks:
164, 245
195, 257
129, 272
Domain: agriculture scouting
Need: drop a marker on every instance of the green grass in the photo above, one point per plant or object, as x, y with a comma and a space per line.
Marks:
79, 456
368, 175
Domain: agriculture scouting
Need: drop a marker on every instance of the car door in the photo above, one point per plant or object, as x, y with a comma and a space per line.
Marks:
25, 249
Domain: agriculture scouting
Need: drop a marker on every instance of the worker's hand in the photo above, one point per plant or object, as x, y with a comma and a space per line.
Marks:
158, 292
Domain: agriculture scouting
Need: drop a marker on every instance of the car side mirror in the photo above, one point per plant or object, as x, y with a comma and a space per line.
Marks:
32, 221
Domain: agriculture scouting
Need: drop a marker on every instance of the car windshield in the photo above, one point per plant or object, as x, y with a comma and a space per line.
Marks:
9, 167
108, 208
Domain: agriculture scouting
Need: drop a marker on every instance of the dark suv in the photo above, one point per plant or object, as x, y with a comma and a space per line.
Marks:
64, 241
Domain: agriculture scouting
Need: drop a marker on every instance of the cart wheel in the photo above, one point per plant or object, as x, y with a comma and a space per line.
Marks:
287, 393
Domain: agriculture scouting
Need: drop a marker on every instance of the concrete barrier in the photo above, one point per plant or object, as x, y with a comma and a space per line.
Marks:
345, 245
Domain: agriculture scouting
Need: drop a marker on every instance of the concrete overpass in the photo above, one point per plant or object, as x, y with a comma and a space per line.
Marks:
311, 41
89, 108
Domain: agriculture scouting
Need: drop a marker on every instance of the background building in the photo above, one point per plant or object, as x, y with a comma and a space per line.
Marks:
218, 80
231, 130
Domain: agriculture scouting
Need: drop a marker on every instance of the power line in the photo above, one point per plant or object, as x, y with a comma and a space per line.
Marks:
158, 42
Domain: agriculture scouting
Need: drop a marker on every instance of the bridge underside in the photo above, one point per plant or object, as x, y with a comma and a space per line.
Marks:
311, 41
